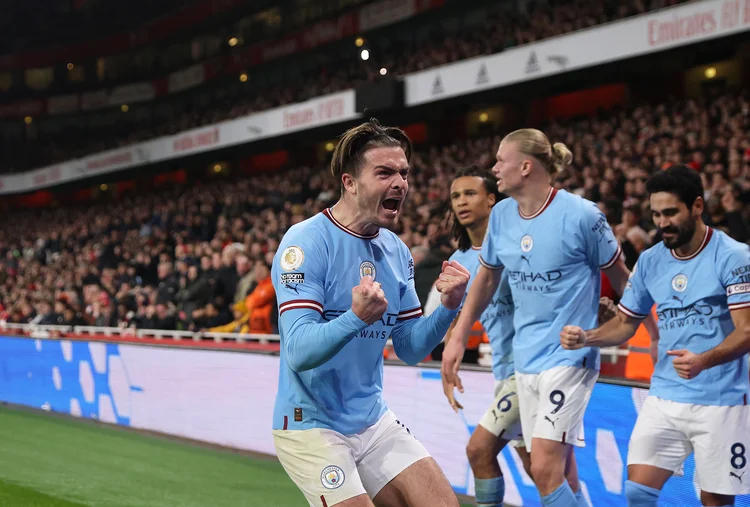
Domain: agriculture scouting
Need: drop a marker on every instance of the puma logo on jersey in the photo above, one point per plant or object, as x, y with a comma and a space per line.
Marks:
291, 287
546, 418
739, 477
527, 259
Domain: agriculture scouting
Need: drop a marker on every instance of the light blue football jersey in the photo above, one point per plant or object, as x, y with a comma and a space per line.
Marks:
694, 297
317, 264
553, 260
496, 319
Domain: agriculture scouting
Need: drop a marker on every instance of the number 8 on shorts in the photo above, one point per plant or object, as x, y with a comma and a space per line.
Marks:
738, 456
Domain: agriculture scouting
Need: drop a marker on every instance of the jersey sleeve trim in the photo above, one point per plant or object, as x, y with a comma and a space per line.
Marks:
614, 258
297, 304
739, 306
409, 314
630, 313
487, 264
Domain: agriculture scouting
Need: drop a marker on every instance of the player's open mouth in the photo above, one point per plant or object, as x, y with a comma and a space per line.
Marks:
392, 205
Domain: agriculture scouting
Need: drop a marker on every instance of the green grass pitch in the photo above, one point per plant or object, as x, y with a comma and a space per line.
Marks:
52, 461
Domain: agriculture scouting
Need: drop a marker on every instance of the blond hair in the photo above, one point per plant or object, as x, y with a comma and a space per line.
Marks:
534, 143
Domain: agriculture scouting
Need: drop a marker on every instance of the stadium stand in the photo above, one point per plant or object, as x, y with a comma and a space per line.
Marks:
39, 24
484, 30
188, 257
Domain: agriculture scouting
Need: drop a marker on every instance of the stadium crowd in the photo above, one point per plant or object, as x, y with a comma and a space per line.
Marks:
496, 31
197, 258
38, 23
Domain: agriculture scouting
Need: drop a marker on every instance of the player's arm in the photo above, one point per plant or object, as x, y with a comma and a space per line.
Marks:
484, 286
308, 340
619, 274
614, 332
734, 346
447, 385
634, 307
733, 269
413, 339
604, 250
449, 332
415, 336
309, 343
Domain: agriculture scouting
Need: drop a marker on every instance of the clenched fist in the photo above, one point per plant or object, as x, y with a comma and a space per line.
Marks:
452, 284
368, 300
573, 338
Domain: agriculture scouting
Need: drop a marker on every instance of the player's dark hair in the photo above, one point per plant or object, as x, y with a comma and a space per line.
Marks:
458, 231
354, 143
679, 180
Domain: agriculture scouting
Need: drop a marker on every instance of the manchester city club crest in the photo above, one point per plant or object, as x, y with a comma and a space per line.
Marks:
527, 243
680, 282
332, 477
292, 258
367, 268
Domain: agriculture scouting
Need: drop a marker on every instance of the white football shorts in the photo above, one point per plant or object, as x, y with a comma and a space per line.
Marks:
503, 417
666, 432
329, 467
554, 402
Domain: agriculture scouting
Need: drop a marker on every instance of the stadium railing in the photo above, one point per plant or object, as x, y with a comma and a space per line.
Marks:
270, 342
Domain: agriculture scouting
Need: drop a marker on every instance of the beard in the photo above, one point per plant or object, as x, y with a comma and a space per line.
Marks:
683, 237
373, 207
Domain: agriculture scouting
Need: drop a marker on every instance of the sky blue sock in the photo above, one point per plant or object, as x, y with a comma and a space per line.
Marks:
639, 495
489, 492
561, 497
582, 502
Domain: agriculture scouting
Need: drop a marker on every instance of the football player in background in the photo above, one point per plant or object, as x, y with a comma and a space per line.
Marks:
553, 245
699, 279
473, 193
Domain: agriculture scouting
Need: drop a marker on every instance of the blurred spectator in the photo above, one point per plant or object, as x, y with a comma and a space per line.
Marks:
261, 303
194, 293
239, 324
228, 274
185, 256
